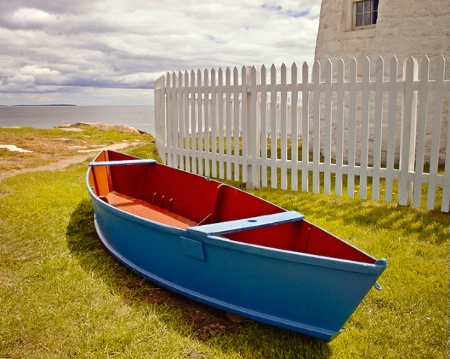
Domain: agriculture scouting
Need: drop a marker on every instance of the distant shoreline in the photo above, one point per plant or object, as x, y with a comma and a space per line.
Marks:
56, 104
141, 117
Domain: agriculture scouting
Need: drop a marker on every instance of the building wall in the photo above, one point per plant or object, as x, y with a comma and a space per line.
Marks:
404, 28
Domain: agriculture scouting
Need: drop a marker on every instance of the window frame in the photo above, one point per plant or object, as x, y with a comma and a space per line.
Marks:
375, 5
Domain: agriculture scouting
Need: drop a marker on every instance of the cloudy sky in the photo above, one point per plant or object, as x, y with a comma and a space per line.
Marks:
109, 52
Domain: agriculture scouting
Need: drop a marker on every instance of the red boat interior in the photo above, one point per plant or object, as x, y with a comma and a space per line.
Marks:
180, 199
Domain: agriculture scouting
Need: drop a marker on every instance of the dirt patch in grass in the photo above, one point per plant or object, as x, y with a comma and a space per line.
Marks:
54, 149
207, 321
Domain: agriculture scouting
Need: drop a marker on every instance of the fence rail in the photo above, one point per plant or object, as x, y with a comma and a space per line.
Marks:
363, 131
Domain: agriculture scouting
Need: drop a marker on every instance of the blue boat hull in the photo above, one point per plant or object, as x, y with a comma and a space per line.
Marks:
310, 294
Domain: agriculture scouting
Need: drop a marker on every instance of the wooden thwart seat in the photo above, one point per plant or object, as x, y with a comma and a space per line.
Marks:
148, 211
247, 223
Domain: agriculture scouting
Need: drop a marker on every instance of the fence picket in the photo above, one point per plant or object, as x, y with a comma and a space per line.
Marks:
253, 129
294, 129
352, 130
408, 132
305, 128
339, 127
316, 126
217, 123
421, 131
193, 123
170, 131
228, 124
328, 120
213, 110
378, 124
200, 131
236, 124
179, 105
283, 105
220, 123
263, 106
244, 116
273, 127
392, 114
207, 122
364, 130
436, 128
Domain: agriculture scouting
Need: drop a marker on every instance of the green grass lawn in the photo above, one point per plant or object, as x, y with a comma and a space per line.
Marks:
62, 295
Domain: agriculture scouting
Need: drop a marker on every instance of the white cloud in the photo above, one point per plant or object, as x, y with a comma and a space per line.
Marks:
68, 48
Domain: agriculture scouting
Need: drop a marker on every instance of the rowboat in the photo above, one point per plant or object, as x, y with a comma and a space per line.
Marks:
227, 248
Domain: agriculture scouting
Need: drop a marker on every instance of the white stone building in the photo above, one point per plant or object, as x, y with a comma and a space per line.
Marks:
371, 28
358, 28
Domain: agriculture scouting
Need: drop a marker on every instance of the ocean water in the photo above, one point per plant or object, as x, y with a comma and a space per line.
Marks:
140, 117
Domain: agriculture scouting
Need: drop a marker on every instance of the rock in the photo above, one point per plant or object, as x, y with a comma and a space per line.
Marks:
14, 148
102, 126
235, 318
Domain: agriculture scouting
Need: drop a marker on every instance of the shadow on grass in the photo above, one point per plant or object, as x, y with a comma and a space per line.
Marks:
206, 321
429, 226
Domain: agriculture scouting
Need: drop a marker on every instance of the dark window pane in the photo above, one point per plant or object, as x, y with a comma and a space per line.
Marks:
368, 6
367, 18
374, 17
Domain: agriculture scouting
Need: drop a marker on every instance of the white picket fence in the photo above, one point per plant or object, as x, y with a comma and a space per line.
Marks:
362, 131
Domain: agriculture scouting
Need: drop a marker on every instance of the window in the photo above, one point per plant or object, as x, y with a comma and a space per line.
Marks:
365, 13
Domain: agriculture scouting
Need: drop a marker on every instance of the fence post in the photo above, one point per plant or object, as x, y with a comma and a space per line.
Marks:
160, 117
172, 121
408, 136
252, 136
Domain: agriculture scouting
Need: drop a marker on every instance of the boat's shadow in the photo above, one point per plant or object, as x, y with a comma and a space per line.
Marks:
206, 321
